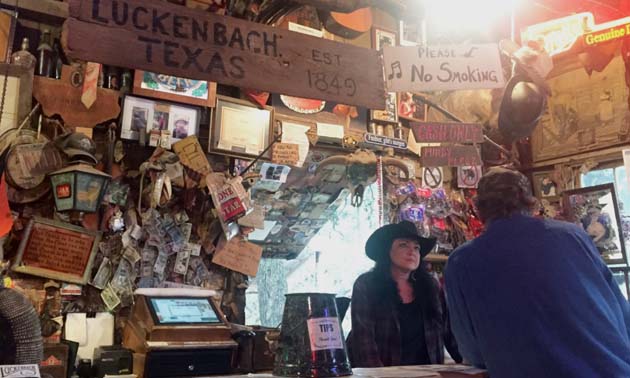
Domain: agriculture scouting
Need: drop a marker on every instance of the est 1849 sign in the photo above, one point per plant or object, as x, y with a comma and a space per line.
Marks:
160, 37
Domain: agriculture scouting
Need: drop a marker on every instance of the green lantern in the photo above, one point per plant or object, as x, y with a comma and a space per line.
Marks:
79, 188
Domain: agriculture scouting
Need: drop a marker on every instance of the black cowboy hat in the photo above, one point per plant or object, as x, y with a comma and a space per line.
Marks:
380, 242
522, 105
525, 97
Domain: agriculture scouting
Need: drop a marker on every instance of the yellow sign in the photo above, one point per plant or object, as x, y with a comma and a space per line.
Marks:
607, 35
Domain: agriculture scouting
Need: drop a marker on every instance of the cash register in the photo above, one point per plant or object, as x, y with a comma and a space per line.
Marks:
178, 333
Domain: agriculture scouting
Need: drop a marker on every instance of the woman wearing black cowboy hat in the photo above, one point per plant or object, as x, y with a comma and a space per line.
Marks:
398, 315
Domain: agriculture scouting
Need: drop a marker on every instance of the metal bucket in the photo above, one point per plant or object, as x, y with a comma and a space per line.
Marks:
311, 342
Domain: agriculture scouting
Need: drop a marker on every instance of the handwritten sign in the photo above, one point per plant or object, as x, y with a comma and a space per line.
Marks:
442, 68
240, 256
160, 37
450, 156
285, 153
57, 250
192, 155
324, 333
444, 132
381, 140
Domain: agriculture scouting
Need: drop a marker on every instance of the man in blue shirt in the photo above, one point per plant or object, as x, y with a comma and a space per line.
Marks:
532, 298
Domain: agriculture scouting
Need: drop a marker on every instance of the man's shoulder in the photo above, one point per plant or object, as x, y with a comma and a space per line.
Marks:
464, 251
562, 226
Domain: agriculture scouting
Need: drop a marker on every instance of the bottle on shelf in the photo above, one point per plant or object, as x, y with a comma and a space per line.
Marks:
57, 59
44, 55
23, 57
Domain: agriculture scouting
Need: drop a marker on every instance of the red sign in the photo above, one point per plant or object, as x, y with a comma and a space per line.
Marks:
63, 191
450, 156
444, 132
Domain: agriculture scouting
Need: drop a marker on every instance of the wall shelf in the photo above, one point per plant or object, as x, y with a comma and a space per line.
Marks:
46, 11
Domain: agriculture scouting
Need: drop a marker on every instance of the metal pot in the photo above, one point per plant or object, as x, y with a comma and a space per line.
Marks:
311, 341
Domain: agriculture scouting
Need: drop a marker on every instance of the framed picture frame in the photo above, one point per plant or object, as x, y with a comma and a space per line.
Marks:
545, 187
8, 23
240, 129
390, 114
383, 37
411, 108
410, 33
57, 250
620, 275
595, 209
141, 115
176, 89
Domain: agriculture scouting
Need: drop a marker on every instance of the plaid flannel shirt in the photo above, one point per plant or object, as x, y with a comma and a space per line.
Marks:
375, 340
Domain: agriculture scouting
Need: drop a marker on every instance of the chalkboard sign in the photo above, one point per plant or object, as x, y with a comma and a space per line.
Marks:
57, 250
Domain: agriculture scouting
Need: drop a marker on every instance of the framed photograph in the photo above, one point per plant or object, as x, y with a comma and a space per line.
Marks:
410, 107
240, 129
390, 114
581, 116
545, 187
383, 37
57, 250
595, 209
410, 33
177, 89
141, 115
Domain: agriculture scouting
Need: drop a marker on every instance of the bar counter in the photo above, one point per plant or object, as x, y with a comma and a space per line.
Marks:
423, 371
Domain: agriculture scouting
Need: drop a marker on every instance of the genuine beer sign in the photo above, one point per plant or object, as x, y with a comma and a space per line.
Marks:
160, 37
609, 32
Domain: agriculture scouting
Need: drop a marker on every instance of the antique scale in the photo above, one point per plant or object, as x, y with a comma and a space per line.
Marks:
178, 333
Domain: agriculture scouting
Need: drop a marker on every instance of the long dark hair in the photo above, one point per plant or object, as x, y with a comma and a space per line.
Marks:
425, 288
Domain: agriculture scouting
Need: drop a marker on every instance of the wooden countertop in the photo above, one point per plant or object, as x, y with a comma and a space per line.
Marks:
423, 371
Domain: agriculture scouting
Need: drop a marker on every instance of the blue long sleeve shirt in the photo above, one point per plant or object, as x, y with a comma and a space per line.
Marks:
533, 298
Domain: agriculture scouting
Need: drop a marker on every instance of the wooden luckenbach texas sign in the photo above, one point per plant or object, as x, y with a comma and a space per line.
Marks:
160, 37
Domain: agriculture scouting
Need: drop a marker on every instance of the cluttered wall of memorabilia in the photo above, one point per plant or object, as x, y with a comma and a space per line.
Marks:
122, 175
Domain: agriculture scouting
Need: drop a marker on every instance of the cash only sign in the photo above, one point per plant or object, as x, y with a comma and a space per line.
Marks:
174, 40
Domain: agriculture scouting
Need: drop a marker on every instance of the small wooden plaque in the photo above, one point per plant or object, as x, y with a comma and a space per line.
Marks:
450, 156
57, 250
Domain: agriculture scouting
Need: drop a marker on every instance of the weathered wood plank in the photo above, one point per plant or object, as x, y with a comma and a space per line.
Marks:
47, 10
450, 156
170, 39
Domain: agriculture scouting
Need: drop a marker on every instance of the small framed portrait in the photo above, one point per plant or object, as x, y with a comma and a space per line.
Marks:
172, 88
241, 129
595, 209
544, 185
390, 114
383, 37
411, 107
141, 115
